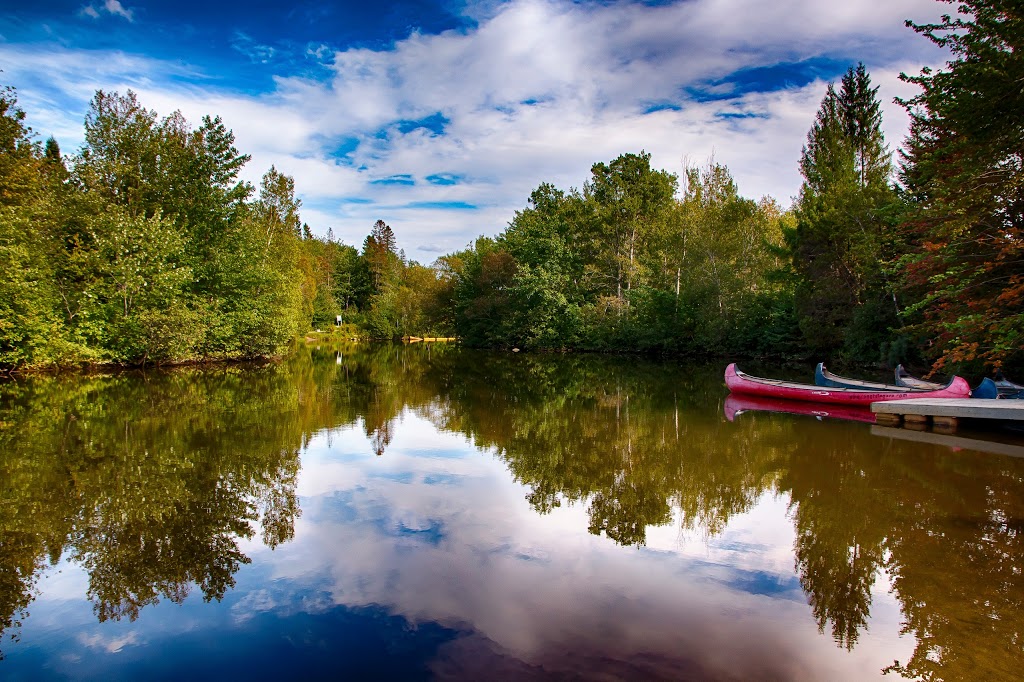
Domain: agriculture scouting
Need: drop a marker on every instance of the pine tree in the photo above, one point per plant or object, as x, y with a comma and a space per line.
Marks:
52, 151
964, 165
862, 123
379, 252
384, 236
53, 162
838, 242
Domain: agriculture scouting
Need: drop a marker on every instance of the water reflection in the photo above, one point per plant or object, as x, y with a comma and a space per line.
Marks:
148, 482
447, 541
157, 485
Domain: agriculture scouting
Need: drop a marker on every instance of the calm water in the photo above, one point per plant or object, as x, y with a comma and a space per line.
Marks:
424, 512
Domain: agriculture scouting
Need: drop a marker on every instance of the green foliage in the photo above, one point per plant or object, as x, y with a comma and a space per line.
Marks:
626, 266
30, 331
147, 250
839, 240
629, 201
726, 244
19, 153
482, 276
121, 159
145, 247
149, 482
548, 286
964, 171
140, 277
28, 323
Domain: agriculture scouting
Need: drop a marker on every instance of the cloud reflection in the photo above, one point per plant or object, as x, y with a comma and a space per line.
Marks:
537, 595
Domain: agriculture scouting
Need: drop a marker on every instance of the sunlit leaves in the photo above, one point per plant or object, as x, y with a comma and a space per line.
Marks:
146, 251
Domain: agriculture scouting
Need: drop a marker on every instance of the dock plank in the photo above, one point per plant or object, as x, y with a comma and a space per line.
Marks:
965, 408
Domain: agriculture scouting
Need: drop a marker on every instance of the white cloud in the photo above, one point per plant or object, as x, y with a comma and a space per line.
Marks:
257, 53
318, 51
116, 8
112, 7
538, 92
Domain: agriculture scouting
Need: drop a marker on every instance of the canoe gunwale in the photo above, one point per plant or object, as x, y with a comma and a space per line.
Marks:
823, 377
745, 384
908, 380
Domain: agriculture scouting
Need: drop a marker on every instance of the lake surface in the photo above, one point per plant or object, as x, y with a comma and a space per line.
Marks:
426, 512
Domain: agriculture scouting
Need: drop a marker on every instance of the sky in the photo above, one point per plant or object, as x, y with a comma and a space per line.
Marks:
441, 116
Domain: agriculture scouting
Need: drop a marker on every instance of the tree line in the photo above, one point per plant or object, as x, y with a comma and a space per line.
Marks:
145, 246
879, 260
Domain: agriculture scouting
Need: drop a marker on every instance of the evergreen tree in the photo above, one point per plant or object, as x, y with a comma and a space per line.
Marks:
384, 236
862, 124
964, 166
52, 151
384, 270
841, 227
197, 183
379, 253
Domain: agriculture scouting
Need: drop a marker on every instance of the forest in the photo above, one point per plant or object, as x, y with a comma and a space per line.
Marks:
145, 247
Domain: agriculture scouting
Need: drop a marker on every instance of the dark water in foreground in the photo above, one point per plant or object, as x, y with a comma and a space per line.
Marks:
424, 512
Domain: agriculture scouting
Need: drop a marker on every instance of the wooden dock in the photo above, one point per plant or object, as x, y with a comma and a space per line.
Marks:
944, 413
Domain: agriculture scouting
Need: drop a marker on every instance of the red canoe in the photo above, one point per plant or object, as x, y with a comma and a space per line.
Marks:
745, 384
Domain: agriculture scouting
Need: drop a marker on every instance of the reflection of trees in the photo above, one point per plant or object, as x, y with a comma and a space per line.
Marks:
132, 565
957, 563
150, 482
626, 438
146, 481
376, 383
945, 526
839, 540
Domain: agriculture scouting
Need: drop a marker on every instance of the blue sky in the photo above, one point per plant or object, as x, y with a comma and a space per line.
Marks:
440, 117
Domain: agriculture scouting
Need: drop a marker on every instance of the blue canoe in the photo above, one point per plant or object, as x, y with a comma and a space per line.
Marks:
822, 377
987, 389
1008, 389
